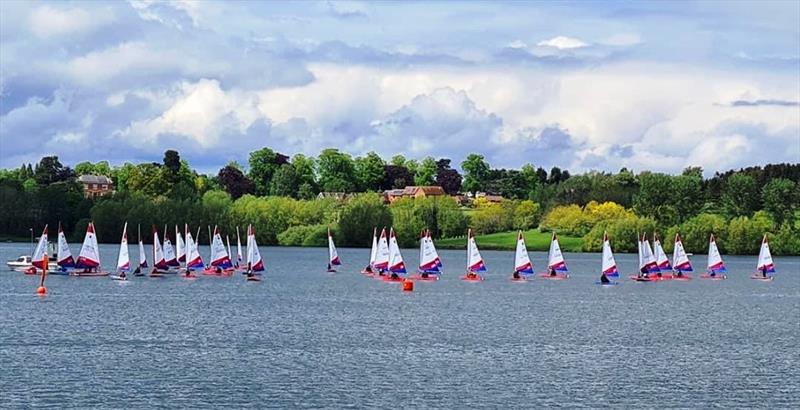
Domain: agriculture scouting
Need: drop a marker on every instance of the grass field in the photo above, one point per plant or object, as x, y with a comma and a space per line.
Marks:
535, 240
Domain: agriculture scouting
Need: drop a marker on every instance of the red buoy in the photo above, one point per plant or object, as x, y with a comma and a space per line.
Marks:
41, 290
408, 285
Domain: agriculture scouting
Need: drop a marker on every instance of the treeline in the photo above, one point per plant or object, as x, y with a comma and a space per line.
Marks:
277, 193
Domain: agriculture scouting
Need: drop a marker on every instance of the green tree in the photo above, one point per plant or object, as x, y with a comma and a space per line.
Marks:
526, 215
476, 171
359, 216
426, 172
284, 182
263, 165
740, 195
780, 197
50, 170
304, 168
370, 172
336, 171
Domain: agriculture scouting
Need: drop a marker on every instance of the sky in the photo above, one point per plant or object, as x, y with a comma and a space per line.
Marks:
595, 85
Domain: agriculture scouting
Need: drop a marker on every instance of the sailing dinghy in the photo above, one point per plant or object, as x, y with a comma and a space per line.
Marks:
159, 262
255, 264
333, 256
220, 261
608, 268
430, 265
64, 259
396, 266
369, 270
89, 257
123, 258
38, 257
765, 268
662, 260
556, 265
681, 261
475, 264
715, 269
647, 262
169, 253
142, 258
193, 258
522, 261
381, 265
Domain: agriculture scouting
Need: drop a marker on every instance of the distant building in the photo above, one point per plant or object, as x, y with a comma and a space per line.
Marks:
489, 197
423, 191
392, 195
95, 186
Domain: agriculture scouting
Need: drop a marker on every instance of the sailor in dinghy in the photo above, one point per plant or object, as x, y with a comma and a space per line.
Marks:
123, 260
765, 267
609, 264
475, 264
333, 256
715, 269
522, 261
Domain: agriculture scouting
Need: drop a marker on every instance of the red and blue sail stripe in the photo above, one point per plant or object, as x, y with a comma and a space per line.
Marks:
336, 261
559, 267
478, 267
66, 263
527, 268
162, 264
718, 267
769, 267
86, 263
684, 267
223, 262
398, 267
612, 272
431, 267
196, 263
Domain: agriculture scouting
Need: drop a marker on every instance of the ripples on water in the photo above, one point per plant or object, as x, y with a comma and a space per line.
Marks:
306, 339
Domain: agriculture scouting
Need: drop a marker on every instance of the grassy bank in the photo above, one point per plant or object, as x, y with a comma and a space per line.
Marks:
536, 241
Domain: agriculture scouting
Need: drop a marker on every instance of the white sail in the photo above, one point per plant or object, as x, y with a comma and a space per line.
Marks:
474, 259
679, 257
219, 255
142, 257
37, 259
382, 255
123, 258
228, 243
180, 246
556, 258
89, 257
662, 261
648, 259
254, 260
333, 256
609, 266
428, 257
373, 252
396, 264
239, 257
522, 261
158, 253
65, 259
715, 263
169, 251
193, 258
765, 263
433, 249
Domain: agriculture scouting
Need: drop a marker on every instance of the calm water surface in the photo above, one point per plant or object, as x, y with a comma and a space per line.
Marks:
307, 339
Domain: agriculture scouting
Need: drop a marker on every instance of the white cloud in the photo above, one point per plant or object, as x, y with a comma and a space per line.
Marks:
517, 44
201, 111
562, 43
48, 22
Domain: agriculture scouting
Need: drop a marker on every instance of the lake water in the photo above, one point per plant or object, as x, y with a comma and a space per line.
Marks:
306, 339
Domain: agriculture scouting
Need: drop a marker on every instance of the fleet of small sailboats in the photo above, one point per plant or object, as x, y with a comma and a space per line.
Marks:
386, 260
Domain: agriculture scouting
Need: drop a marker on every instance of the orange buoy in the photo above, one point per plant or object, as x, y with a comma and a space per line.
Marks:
408, 285
41, 290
